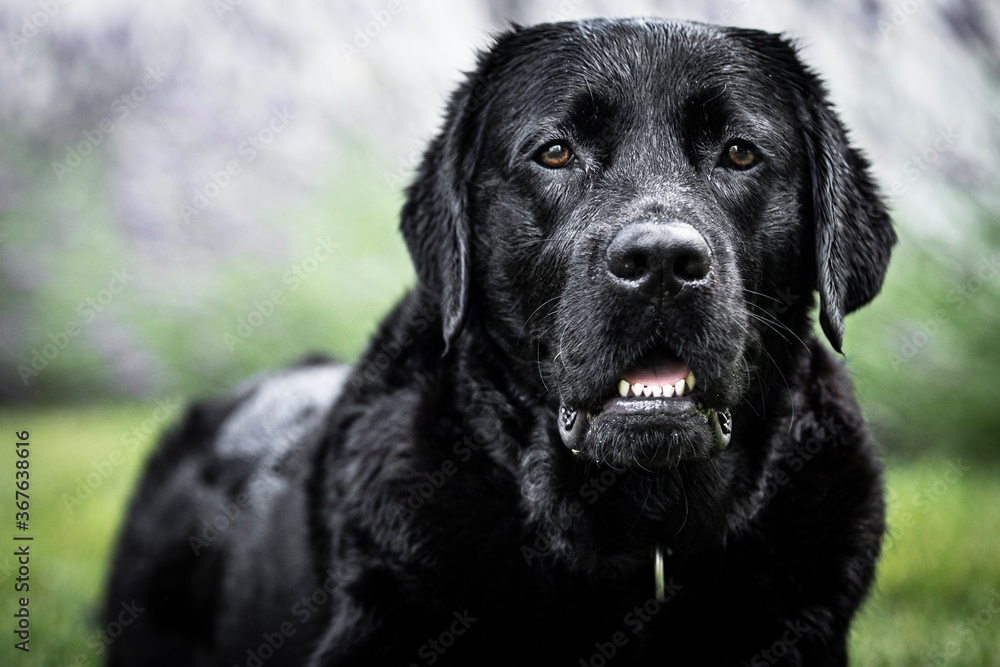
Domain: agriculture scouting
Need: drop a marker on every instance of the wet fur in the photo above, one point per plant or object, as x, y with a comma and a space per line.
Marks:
772, 543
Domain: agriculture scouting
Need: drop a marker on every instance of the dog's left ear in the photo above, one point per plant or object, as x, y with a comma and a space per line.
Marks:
854, 236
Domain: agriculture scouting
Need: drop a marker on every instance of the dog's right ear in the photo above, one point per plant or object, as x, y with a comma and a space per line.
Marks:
435, 219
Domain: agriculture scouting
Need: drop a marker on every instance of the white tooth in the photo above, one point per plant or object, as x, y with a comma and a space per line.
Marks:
657, 390
637, 389
668, 390
679, 388
575, 451
623, 388
689, 381
647, 390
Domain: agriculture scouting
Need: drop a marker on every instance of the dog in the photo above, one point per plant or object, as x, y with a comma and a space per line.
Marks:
599, 427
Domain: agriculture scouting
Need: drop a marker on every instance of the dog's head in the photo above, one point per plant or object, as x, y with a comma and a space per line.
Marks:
637, 214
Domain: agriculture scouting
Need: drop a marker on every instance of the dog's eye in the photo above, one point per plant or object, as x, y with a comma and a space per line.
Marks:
554, 155
739, 155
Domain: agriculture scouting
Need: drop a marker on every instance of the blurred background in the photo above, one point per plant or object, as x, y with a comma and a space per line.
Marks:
191, 192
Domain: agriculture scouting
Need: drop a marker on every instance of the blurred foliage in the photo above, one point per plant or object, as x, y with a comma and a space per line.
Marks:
937, 578
924, 354
196, 319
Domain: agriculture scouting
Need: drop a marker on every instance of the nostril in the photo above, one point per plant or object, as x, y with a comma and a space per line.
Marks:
691, 266
629, 266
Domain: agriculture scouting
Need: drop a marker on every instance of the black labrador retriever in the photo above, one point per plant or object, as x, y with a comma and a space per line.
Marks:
598, 428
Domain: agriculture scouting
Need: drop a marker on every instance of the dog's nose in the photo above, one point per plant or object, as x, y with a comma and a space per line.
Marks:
659, 257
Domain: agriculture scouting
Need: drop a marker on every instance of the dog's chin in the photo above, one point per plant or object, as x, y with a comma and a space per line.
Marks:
646, 433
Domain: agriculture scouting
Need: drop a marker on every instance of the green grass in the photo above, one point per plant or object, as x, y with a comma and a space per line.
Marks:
936, 580
73, 523
938, 594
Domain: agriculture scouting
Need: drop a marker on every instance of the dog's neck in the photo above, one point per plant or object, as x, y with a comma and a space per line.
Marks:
568, 504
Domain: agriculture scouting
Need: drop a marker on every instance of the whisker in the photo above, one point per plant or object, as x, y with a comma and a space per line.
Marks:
531, 242
769, 325
649, 491
771, 359
768, 318
716, 468
528, 319
538, 364
766, 296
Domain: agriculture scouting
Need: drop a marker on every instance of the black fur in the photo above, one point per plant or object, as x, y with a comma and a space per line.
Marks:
426, 511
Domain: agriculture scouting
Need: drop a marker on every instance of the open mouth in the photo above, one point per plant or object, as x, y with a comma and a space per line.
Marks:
658, 375
658, 389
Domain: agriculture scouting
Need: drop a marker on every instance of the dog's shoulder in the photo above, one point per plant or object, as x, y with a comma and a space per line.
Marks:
278, 410
261, 419
825, 514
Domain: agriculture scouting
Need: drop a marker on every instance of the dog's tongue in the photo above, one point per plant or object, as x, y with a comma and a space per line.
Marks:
657, 370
